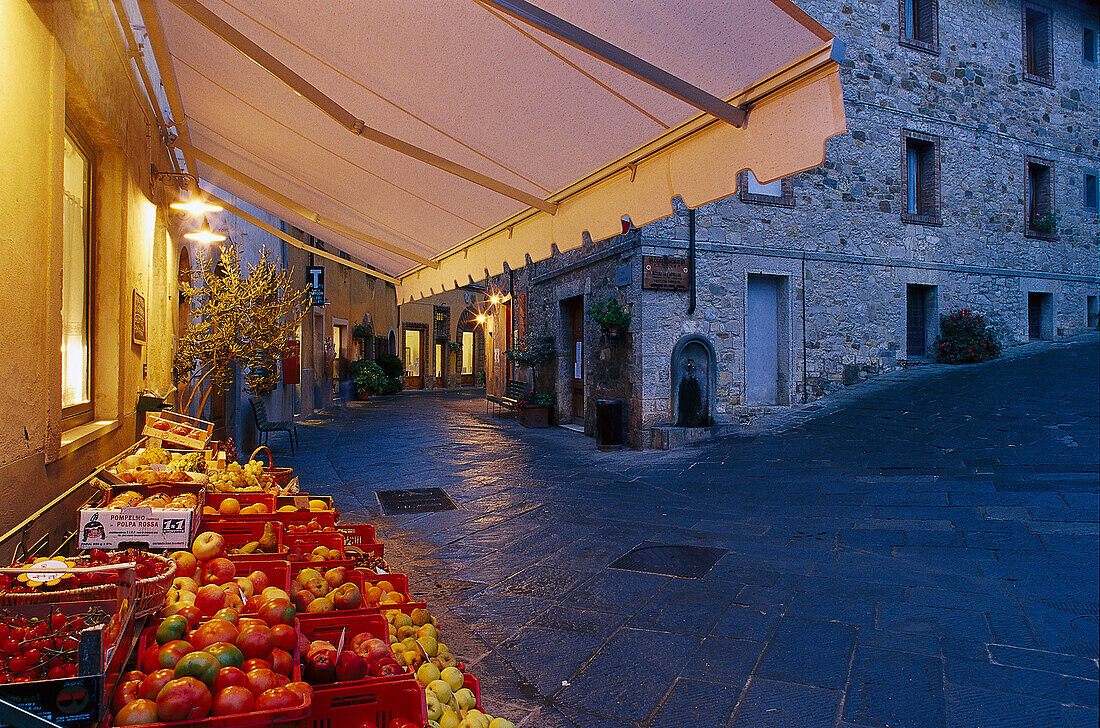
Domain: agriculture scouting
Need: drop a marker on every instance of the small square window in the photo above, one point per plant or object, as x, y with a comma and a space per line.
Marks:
920, 172
1041, 217
778, 192
1090, 192
1038, 45
919, 24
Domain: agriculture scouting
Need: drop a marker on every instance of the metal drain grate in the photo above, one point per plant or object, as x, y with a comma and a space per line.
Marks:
690, 562
414, 500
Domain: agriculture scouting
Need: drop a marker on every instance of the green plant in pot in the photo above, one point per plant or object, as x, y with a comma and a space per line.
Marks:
612, 318
534, 409
369, 378
1045, 223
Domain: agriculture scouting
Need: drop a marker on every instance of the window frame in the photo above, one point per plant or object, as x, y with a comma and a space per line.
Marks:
1029, 231
1025, 6
1095, 207
82, 413
934, 216
786, 199
1086, 45
928, 46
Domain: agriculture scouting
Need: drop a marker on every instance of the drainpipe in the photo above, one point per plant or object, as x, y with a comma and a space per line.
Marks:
691, 261
805, 379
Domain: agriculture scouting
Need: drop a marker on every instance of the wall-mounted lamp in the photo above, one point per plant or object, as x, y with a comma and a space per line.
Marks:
496, 299
204, 234
195, 206
481, 319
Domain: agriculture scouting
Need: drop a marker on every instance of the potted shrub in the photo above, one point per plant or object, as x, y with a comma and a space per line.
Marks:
966, 338
1046, 223
368, 378
612, 318
534, 410
393, 370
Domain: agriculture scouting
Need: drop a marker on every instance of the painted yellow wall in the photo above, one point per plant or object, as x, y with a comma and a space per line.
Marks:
59, 63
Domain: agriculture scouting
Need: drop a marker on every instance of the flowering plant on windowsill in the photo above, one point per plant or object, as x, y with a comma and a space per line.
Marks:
1045, 223
454, 347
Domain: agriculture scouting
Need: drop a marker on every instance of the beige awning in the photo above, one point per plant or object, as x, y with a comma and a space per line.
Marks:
438, 140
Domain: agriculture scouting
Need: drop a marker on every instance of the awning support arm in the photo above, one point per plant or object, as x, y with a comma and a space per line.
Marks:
611, 54
290, 204
291, 240
342, 116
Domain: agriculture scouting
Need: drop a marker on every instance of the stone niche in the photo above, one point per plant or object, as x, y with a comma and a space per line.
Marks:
694, 381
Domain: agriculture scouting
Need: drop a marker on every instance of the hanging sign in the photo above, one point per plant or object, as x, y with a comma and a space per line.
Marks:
315, 280
661, 273
138, 319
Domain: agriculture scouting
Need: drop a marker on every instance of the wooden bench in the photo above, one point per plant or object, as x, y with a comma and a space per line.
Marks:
514, 391
266, 426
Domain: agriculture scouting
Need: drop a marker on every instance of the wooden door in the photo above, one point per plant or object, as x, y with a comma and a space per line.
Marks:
575, 312
762, 340
440, 364
414, 358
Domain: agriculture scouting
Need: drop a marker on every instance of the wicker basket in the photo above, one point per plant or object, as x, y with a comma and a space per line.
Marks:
281, 476
148, 593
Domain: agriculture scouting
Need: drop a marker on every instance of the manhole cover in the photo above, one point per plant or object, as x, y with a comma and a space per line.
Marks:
690, 562
414, 500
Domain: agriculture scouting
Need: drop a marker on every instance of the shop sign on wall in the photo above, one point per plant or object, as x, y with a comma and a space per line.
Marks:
315, 280
138, 323
662, 273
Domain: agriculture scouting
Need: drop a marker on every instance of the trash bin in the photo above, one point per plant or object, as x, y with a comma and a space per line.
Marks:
609, 424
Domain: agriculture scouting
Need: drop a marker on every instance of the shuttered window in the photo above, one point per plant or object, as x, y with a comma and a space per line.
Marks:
1090, 192
1038, 45
919, 24
921, 172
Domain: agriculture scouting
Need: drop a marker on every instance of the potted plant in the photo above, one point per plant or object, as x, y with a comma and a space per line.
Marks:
612, 318
454, 347
369, 379
534, 410
1046, 223
362, 331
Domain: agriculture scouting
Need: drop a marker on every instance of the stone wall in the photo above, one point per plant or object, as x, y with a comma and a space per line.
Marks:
844, 242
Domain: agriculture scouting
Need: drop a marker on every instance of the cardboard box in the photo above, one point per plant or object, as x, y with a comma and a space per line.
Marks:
102, 528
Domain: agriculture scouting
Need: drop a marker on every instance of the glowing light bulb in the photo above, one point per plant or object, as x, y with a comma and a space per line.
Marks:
195, 206
204, 234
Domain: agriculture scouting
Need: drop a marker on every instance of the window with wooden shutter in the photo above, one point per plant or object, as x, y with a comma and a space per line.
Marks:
920, 172
1040, 212
919, 25
1038, 44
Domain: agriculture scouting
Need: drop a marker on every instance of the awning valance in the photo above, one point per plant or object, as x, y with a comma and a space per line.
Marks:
439, 140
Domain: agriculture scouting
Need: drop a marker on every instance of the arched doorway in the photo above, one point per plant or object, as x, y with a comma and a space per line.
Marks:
183, 319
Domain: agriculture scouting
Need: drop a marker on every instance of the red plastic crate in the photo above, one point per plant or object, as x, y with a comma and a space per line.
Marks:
352, 705
277, 570
358, 534
471, 682
309, 541
238, 533
361, 579
330, 626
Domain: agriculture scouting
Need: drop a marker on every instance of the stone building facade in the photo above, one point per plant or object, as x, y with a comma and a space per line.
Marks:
441, 341
968, 135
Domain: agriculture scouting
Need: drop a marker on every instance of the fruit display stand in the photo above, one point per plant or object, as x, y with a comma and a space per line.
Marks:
376, 705
243, 535
178, 429
150, 527
245, 499
63, 657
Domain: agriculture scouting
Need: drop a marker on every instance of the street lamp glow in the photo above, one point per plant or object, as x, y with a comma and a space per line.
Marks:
195, 206
481, 318
204, 234
495, 299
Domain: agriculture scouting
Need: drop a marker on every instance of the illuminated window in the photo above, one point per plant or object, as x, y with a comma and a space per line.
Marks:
76, 332
467, 352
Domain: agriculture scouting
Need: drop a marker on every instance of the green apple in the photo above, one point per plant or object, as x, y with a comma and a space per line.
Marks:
453, 676
465, 698
431, 647
449, 719
442, 690
435, 708
428, 673
501, 723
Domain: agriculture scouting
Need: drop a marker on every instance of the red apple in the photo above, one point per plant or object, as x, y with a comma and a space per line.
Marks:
350, 666
255, 642
347, 596
277, 611
372, 650
302, 599
138, 712
385, 667
216, 630
277, 698
186, 563
320, 666
191, 613
151, 685
336, 576
208, 545
285, 636
233, 699
125, 693
260, 680
185, 698
260, 581
281, 661
245, 622
228, 676
150, 659
281, 681
132, 675
210, 599
219, 570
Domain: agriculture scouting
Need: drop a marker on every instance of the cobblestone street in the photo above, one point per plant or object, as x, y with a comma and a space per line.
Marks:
920, 550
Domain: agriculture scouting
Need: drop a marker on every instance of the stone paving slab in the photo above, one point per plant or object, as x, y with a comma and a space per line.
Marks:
918, 550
